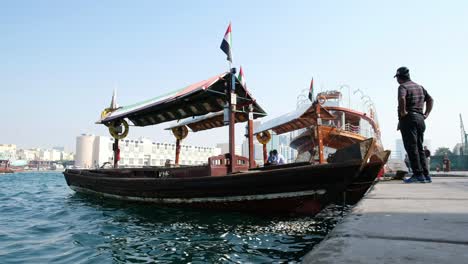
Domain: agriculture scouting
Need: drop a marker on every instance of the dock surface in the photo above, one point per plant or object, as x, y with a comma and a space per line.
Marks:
402, 223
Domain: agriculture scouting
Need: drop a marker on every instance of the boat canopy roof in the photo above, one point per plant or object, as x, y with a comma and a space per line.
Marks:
304, 116
198, 99
212, 120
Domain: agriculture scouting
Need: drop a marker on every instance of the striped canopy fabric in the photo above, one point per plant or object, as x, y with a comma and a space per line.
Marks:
201, 98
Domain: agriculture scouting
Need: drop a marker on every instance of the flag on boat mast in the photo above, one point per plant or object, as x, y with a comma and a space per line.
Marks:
226, 44
241, 77
311, 90
113, 104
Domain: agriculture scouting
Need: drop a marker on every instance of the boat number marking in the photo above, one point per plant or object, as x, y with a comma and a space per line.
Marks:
163, 174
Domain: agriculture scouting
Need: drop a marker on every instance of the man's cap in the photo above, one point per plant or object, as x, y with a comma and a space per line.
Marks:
402, 71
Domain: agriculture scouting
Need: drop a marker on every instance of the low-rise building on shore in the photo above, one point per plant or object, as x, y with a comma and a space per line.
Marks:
12, 153
93, 151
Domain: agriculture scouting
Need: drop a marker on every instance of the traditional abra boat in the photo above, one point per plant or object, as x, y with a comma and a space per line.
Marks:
227, 181
327, 129
5, 166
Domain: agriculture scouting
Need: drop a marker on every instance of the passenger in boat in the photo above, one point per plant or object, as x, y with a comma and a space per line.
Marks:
271, 159
279, 158
412, 98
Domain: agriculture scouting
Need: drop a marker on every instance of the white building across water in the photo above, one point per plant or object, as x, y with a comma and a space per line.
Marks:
93, 151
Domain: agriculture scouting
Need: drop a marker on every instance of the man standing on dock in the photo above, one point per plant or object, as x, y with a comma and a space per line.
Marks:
411, 100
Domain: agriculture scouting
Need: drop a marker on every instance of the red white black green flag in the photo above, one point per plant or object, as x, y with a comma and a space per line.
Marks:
241, 77
311, 90
226, 45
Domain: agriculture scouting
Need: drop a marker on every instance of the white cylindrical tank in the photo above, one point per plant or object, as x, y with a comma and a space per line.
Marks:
84, 151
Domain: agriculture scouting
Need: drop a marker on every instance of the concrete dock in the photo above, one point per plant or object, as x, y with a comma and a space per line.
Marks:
403, 223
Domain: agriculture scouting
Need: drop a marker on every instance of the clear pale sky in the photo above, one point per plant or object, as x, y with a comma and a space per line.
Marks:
60, 60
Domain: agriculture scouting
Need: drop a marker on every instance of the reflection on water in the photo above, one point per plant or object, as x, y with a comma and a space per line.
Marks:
41, 221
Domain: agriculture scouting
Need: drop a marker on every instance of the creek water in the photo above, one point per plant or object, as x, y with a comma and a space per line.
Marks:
43, 221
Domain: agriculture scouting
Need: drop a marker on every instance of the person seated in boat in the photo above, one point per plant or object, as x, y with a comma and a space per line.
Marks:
278, 157
271, 159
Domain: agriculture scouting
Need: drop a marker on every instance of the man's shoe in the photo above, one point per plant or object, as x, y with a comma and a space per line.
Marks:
428, 179
415, 179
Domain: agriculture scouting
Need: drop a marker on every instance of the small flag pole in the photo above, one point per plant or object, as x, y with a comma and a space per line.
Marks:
311, 90
226, 47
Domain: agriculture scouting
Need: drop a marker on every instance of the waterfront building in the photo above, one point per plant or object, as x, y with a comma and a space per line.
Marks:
458, 149
258, 151
7, 151
278, 142
281, 144
428, 143
43, 154
93, 151
68, 155
27, 154
12, 153
400, 151
224, 148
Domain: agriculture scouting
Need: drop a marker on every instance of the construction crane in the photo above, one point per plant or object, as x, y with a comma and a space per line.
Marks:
464, 138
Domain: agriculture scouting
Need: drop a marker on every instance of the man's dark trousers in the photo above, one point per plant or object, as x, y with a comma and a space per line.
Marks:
412, 129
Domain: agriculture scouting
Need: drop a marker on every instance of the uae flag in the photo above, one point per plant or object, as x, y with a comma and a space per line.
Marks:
226, 44
311, 90
241, 77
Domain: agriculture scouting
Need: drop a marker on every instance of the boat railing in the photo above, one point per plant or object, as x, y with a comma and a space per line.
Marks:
351, 128
347, 127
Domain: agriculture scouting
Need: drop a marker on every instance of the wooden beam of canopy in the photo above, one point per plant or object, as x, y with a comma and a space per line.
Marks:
193, 100
210, 121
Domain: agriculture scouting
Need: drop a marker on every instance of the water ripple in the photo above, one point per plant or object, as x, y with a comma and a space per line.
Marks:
43, 221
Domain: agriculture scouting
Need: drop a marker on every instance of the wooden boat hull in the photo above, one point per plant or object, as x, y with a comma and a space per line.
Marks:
365, 180
303, 189
2, 170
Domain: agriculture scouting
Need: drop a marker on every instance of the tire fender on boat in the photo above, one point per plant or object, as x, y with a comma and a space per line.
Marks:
180, 132
113, 129
263, 137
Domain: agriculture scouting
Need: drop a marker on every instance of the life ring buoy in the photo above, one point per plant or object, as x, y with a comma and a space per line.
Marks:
263, 137
321, 99
180, 132
105, 113
113, 129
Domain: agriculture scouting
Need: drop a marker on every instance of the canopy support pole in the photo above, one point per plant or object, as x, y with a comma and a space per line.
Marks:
177, 152
250, 134
319, 134
232, 122
265, 155
116, 153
